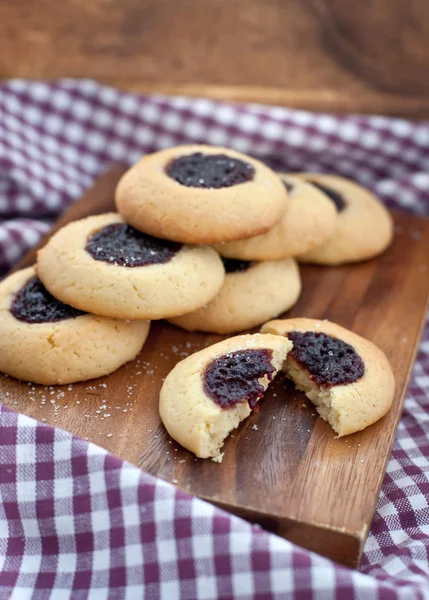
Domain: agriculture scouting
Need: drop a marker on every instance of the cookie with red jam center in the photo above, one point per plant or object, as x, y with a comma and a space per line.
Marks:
45, 341
363, 228
209, 393
106, 267
201, 195
347, 377
308, 222
252, 292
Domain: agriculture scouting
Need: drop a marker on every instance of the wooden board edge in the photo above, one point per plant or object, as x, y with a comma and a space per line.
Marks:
406, 386
339, 545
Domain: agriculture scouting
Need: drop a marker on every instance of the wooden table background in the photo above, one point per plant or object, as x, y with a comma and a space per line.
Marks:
333, 55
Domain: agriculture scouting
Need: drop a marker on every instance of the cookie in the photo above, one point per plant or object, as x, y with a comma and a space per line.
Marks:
363, 229
209, 393
308, 222
45, 341
251, 294
347, 377
106, 267
201, 195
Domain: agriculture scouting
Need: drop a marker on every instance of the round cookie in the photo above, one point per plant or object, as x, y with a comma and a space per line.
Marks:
209, 393
45, 341
363, 229
308, 222
201, 195
347, 377
104, 266
251, 294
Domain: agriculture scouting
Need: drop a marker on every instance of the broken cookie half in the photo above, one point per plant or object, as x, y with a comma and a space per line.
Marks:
209, 393
347, 377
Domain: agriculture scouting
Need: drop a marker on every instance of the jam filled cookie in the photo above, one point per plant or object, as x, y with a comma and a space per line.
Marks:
209, 393
106, 267
363, 229
308, 222
201, 195
347, 377
45, 341
251, 294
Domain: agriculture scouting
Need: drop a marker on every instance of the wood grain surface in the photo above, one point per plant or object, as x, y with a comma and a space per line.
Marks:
317, 54
282, 468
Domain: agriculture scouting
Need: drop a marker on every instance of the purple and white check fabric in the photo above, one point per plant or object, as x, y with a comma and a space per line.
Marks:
77, 522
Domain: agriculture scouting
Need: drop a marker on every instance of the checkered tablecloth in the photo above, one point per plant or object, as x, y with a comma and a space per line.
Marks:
76, 522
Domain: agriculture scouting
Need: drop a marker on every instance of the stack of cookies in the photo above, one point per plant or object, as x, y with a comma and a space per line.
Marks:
205, 237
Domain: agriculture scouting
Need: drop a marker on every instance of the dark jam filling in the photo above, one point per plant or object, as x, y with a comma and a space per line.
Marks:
122, 245
288, 186
328, 360
236, 266
34, 304
336, 197
209, 170
233, 378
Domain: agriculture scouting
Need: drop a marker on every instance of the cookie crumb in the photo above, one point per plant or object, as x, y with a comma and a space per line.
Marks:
218, 459
255, 427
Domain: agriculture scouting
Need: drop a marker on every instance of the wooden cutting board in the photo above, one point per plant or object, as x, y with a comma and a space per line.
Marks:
282, 468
